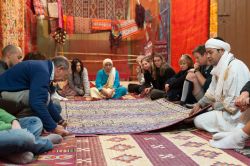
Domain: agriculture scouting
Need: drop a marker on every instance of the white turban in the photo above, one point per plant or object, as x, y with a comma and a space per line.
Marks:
218, 44
107, 61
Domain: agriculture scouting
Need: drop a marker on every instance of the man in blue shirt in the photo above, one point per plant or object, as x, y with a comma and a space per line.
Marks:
34, 77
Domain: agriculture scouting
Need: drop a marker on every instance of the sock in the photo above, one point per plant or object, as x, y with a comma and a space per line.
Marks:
234, 140
21, 158
220, 135
54, 138
186, 90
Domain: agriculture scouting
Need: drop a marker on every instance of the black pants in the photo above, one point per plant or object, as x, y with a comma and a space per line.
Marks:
135, 88
11, 106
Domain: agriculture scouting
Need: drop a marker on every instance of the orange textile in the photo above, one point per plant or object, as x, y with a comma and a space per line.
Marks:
189, 27
101, 24
12, 24
128, 28
213, 18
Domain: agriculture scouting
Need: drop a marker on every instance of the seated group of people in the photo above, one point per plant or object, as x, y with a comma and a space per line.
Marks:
107, 83
159, 80
26, 105
215, 80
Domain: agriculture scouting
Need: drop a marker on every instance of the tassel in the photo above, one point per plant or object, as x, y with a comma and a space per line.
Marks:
139, 15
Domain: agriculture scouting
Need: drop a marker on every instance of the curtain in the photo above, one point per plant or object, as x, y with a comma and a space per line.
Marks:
189, 27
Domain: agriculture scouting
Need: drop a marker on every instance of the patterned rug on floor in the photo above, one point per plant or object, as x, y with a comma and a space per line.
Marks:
208, 136
171, 149
121, 116
176, 148
82, 98
62, 154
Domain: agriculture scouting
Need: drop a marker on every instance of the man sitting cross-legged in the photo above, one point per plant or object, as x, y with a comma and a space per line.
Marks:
236, 139
229, 75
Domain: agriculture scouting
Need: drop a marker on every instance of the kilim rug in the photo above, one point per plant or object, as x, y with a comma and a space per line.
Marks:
82, 98
62, 154
12, 27
102, 9
121, 116
208, 136
176, 148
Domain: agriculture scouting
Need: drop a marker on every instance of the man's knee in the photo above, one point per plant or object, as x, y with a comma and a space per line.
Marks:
198, 122
33, 124
156, 94
24, 138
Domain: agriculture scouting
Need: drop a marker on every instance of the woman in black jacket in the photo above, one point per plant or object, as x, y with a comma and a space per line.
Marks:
174, 85
161, 73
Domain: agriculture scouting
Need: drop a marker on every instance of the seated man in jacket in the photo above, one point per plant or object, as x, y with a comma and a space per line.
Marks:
28, 83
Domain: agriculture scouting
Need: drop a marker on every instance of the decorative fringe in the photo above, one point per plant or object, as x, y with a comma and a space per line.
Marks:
139, 15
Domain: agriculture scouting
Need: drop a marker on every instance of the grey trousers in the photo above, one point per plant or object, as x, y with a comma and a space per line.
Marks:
157, 94
21, 99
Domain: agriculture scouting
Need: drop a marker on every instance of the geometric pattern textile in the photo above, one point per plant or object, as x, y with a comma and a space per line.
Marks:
12, 24
62, 154
171, 149
82, 25
121, 116
128, 28
102, 9
161, 149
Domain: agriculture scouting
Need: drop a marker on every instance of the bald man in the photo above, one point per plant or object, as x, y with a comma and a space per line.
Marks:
11, 55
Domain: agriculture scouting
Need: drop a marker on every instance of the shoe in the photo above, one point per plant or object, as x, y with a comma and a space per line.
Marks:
21, 158
54, 138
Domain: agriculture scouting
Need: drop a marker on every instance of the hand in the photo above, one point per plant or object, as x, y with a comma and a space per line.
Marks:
191, 71
110, 93
15, 125
166, 87
196, 66
61, 131
63, 123
195, 109
147, 90
104, 92
242, 101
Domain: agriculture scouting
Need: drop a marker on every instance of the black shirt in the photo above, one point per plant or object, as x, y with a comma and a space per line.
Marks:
205, 71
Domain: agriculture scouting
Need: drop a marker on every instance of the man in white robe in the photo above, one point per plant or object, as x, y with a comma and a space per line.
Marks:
229, 75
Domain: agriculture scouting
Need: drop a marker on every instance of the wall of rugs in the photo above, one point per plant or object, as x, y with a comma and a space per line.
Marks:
88, 23
12, 28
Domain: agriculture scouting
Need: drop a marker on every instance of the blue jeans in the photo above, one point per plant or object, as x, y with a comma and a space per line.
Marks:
26, 139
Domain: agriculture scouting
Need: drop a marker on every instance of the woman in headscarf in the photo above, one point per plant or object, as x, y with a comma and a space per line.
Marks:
108, 83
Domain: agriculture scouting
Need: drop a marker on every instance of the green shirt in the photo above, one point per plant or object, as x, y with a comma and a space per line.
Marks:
5, 120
